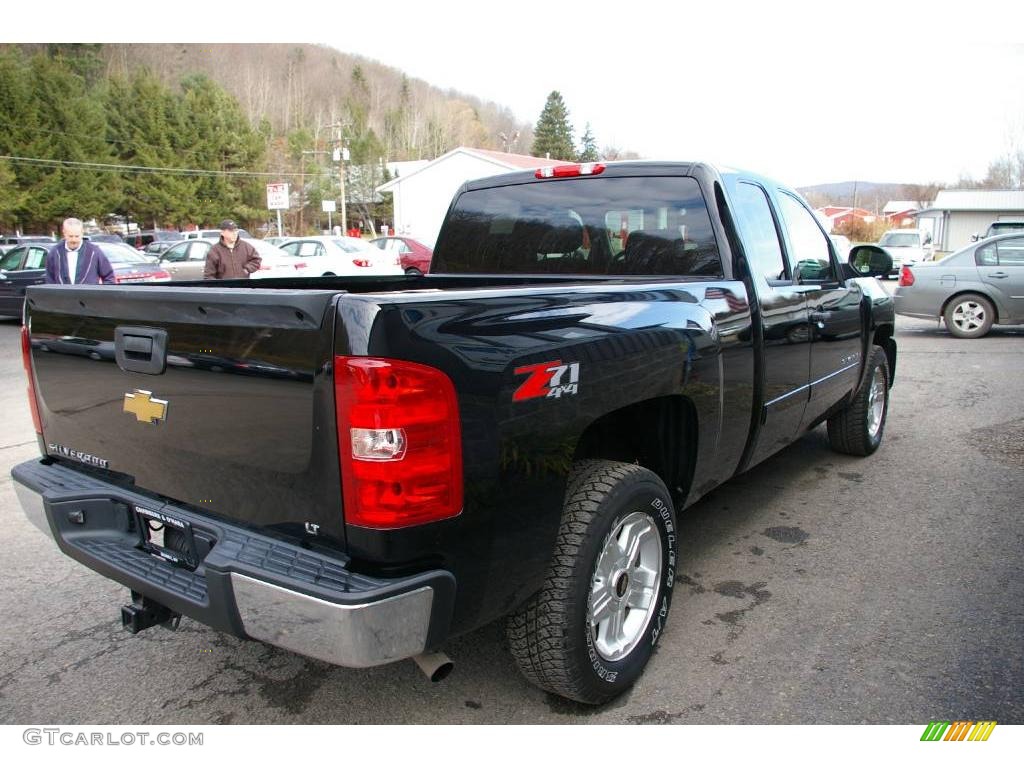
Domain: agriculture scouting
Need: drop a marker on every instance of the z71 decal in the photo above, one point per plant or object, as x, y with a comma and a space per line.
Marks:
551, 379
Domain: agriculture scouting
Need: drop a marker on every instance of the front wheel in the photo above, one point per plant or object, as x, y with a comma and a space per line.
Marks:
969, 316
857, 429
588, 633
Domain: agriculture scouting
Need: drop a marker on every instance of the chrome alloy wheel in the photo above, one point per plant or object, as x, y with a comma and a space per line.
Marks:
969, 316
625, 586
876, 402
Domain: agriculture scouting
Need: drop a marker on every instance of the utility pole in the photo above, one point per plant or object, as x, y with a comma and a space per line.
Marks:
341, 156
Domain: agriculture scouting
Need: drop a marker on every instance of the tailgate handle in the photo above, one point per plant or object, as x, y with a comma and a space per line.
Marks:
141, 350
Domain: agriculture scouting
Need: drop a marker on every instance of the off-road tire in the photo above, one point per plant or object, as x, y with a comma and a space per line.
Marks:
851, 430
550, 636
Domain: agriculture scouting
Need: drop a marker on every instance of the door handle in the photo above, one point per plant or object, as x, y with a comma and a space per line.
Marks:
999, 275
820, 317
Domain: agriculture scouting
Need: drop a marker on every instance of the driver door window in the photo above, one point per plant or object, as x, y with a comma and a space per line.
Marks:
810, 254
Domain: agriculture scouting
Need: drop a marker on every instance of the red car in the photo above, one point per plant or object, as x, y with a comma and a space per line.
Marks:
414, 255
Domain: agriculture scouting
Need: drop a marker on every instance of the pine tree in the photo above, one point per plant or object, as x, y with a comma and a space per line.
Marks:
553, 134
588, 149
69, 127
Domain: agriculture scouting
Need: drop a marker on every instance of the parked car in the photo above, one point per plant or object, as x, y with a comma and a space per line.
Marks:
193, 234
25, 265
158, 247
275, 262
971, 290
906, 246
23, 239
1002, 227
142, 238
186, 260
277, 239
20, 267
413, 255
348, 256
103, 237
130, 266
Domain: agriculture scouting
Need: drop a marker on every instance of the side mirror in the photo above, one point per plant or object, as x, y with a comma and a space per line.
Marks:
870, 261
975, 237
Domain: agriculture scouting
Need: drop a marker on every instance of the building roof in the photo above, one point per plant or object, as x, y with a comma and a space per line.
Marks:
834, 211
979, 200
504, 160
900, 206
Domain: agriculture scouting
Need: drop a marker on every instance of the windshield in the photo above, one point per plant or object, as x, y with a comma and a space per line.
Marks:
900, 239
585, 225
1002, 227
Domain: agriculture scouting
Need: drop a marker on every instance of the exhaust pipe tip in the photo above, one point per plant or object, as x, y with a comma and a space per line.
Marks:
436, 666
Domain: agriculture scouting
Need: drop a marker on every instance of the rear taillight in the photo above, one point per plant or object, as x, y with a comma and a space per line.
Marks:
362, 262
301, 265
906, 276
26, 359
399, 442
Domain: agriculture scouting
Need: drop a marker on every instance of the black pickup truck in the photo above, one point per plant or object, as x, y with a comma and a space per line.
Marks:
359, 469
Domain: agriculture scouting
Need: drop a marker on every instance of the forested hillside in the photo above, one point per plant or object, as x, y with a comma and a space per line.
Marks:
176, 134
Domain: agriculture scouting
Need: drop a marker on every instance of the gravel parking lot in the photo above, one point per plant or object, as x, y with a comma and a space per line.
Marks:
816, 588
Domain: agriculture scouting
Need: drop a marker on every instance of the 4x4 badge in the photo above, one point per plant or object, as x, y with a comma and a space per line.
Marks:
145, 407
551, 379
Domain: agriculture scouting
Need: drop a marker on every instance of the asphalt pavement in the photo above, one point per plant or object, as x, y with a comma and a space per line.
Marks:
815, 588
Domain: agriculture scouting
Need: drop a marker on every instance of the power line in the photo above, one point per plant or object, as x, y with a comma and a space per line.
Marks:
110, 167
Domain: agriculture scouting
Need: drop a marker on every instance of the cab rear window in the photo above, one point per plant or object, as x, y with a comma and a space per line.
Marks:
586, 226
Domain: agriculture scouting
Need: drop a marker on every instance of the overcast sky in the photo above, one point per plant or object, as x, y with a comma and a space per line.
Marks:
801, 92
807, 92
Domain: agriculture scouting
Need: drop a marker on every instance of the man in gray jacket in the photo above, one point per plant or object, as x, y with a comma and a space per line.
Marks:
231, 257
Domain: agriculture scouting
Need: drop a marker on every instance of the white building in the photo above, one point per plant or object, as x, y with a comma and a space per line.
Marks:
957, 214
423, 195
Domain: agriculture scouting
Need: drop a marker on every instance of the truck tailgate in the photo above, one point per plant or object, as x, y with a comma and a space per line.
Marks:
217, 400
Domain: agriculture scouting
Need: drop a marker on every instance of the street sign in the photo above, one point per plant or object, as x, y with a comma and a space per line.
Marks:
329, 206
277, 197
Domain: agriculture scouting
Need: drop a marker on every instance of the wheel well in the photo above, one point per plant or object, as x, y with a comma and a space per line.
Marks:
958, 294
883, 338
659, 434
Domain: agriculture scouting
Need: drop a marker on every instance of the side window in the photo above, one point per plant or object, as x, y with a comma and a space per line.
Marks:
1011, 252
198, 251
811, 258
754, 217
177, 253
320, 250
36, 259
307, 248
12, 259
986, 256
291, 248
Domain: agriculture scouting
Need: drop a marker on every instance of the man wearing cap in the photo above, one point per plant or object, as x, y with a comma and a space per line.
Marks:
231, 257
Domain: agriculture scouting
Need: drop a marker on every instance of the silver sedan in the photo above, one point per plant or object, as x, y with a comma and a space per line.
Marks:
973, 289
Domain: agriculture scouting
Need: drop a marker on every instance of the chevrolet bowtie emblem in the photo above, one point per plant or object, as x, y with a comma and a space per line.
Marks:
145, 407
